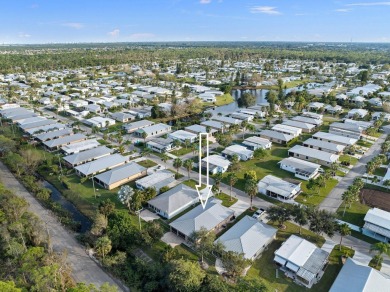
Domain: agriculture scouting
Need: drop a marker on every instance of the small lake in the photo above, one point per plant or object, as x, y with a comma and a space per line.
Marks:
76, 215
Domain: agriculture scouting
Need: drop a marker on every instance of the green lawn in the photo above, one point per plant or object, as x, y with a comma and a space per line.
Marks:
364, 143
264, 268
340, 173
226, 199
191, 183
349, 158
315, 199
380, 171
354, 215
224, 99
147, 163
181, 151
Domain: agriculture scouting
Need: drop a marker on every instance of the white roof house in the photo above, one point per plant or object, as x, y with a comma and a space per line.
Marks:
315, 105
276, 187
132, 127
120, 175
333, 109
378, 222
302, 258
316, 122
183, 136
313, 155
174, 201
215, 125
53, 134
227, 120
249, 237
332, 138
88, 155
363, 124
156, 180
99, 122
212, 217
306, 127
29, 120
324, 146
160, 145
361, 113
37, 124
80, 146
301, 168
277, 137
293, 131
242, 152
67, 140
350, 130
196, 129
154, 130
217, 164
255, 142
355, 276
46, 128
101, 164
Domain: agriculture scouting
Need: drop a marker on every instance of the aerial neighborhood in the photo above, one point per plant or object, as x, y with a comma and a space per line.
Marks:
257, 171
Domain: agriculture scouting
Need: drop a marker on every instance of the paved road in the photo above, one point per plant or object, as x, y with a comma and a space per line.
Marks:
83, 267
333, 201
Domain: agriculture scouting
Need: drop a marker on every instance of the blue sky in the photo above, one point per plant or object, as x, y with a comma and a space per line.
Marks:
54, 21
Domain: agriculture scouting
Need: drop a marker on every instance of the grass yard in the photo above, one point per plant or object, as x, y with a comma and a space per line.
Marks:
181, 151
191, 183
364, 143
224, 99
226, 199
340, 173
348, 158
355, 214
264, 268
380, 171
147, 163
315, 199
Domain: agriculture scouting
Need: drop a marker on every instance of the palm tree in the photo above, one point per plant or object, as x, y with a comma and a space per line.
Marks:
144, 136
347, 198
344, 230
232, 178
177, 163
299, 215
250, 187
188, 164
121, 149
217, 180
164, 158
380, 248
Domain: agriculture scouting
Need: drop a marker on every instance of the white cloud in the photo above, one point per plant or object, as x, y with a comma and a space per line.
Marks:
75, 25
370, 4
264, 9
205, 1
142, 36
343, 10
24, 35
114, 33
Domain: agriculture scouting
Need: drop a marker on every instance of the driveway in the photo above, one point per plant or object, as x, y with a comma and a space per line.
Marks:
239, 207
84, 269
172, 239
148, 215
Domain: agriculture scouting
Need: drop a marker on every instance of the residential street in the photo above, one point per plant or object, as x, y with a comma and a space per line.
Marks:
83, 267
333, 201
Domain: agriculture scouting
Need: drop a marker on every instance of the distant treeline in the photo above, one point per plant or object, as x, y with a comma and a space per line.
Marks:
23, 58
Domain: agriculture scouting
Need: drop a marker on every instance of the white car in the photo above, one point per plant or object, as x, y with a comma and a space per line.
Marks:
258, 213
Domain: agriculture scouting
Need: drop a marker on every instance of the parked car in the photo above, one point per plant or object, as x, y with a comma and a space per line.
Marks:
258, 213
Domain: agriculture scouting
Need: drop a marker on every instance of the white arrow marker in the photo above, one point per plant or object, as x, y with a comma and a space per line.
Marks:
204, 193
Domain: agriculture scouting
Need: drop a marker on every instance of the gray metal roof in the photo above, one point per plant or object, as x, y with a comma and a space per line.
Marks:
324, 145
54, 134
119, 173
277, 135
347, 126
307, 120
298, 124
313, 265
174, 199
29, 120
64, 140
214, 124
157, 180
154, 128
247, 236
80, 146
227, 120
137, 125
314, 153
335, 138
38, 124
296, 163
256, 140
88, 155
209, 217
355, 276
101, 164
47, 128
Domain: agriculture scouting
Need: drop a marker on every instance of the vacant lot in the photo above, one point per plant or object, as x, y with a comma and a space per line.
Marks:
374, 198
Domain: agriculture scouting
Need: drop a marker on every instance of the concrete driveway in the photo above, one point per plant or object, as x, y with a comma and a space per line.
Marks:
172, 239
148, 215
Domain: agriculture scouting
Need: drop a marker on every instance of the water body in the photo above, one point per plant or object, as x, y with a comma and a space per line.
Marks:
236, 93
76, 215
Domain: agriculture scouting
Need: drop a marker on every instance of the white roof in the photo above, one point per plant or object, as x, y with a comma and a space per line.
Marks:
277, 185
335, 138
316, 122
247, 236
182, 135
314, 153
80, 146
288, 129
238, 149
53, 134
324, 145
298, 124
88, 155
296, 250
120, 173
378, 217
64, 140
101, 164
154, 128
217, 160
277, 135
257, 140
300, 164
155, 178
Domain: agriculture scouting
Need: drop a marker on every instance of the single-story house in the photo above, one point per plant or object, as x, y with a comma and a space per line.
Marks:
88, 155
53, 135
213, 217
355, 276
358, 100
312, 115
207, 97
362, 124
80, 146
196, 129
359, 112
218, 126
255, 142
302, 169
46, 128
302, 258
376, 101
324, 146
154, 130
315, 106
102, 164
248, 237
28, 120
132, 127
122, 117
316, 122
333, 109
242, 152
226, 120
160, 145
37, 124
278, 188
79, 103
346, 130
305, 127
174, 201
183, 136
378, 115
217, 164
56, 144
242, 116
377, 222
313, 155
293, 131
156, 180
337, 139
276, 137
120, 175
93, 108
99, 122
